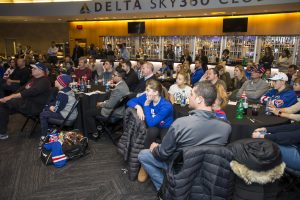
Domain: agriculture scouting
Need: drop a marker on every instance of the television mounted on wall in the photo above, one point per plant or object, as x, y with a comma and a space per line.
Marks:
136, 27
235, 25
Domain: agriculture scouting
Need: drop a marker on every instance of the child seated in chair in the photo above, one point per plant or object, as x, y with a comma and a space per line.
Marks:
60, 108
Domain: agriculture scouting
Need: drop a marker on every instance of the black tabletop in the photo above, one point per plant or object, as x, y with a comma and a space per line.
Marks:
88, 102
241, 128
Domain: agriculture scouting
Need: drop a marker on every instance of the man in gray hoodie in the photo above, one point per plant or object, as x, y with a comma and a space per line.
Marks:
256, 87
200, 127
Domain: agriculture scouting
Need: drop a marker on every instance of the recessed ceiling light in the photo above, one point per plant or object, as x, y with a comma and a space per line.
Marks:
205, 14
179, 15
76, 19
233, 12
25, 20
265, 10
156, 16
134, 16
59, 19
95, 18
114, 17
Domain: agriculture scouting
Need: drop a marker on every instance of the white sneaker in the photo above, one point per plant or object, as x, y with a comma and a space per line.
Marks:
3, 137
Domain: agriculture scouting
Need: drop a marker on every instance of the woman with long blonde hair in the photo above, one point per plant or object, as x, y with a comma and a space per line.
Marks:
221, 102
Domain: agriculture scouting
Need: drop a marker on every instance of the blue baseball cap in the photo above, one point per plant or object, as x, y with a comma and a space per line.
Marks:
40, 66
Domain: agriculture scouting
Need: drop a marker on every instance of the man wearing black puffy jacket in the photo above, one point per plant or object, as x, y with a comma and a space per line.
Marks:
200, 127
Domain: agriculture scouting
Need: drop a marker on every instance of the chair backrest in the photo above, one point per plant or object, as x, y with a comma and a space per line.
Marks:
200, 172
122, 102
69, 114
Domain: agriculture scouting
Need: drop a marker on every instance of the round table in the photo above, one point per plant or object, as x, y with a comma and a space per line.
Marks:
87, 102
240, 128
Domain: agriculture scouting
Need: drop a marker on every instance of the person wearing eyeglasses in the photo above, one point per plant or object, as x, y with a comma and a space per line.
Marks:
106, 107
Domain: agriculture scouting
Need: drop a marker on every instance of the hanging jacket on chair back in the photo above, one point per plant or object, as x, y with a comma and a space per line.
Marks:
132, 141
258, 166
201, 172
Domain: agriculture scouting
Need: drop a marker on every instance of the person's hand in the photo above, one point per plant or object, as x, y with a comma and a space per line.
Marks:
140, 112
52, 108
100, 81
263, 129
9, 81
257, 134
153, 146
100, 104
274, 110
204, 77
149, 99
294, 77
5, 99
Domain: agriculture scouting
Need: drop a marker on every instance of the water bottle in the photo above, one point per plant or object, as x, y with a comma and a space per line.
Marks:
82, 87
178, 98
88, 86
267, 111
96, 80
107, 87
183, 99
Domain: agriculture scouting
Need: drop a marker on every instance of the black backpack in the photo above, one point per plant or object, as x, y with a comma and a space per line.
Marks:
73, 148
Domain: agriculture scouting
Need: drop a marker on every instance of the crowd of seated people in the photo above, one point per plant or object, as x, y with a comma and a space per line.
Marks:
207, 123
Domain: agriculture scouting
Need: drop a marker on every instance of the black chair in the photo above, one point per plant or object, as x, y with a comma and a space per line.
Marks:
106, 124
293, 178
35, 119
66, 123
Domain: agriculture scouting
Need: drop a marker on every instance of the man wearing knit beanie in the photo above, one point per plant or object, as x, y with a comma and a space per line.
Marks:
60, 108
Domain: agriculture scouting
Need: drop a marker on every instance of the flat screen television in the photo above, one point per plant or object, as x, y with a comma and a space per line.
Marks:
136, 27
235, 25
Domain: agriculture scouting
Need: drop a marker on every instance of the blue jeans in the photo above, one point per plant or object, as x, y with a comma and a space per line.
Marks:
153, 167
290, 155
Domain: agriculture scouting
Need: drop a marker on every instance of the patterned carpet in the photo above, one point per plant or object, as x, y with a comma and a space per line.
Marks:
96, 176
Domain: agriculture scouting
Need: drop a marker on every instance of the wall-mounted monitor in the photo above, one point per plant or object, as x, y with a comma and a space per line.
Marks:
235, 25
136, 27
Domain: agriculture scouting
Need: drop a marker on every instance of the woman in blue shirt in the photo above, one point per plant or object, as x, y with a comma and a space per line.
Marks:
155, 110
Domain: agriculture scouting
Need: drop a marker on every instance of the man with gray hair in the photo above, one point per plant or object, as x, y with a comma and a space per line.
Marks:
147, 72
199, 128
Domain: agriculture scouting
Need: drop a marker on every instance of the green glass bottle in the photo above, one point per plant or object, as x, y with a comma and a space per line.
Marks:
239, 110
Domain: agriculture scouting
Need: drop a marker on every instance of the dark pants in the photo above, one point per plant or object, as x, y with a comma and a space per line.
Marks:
294, 127
90, 121
9, 89
289, 153
152, 134
11, 107
45, 116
